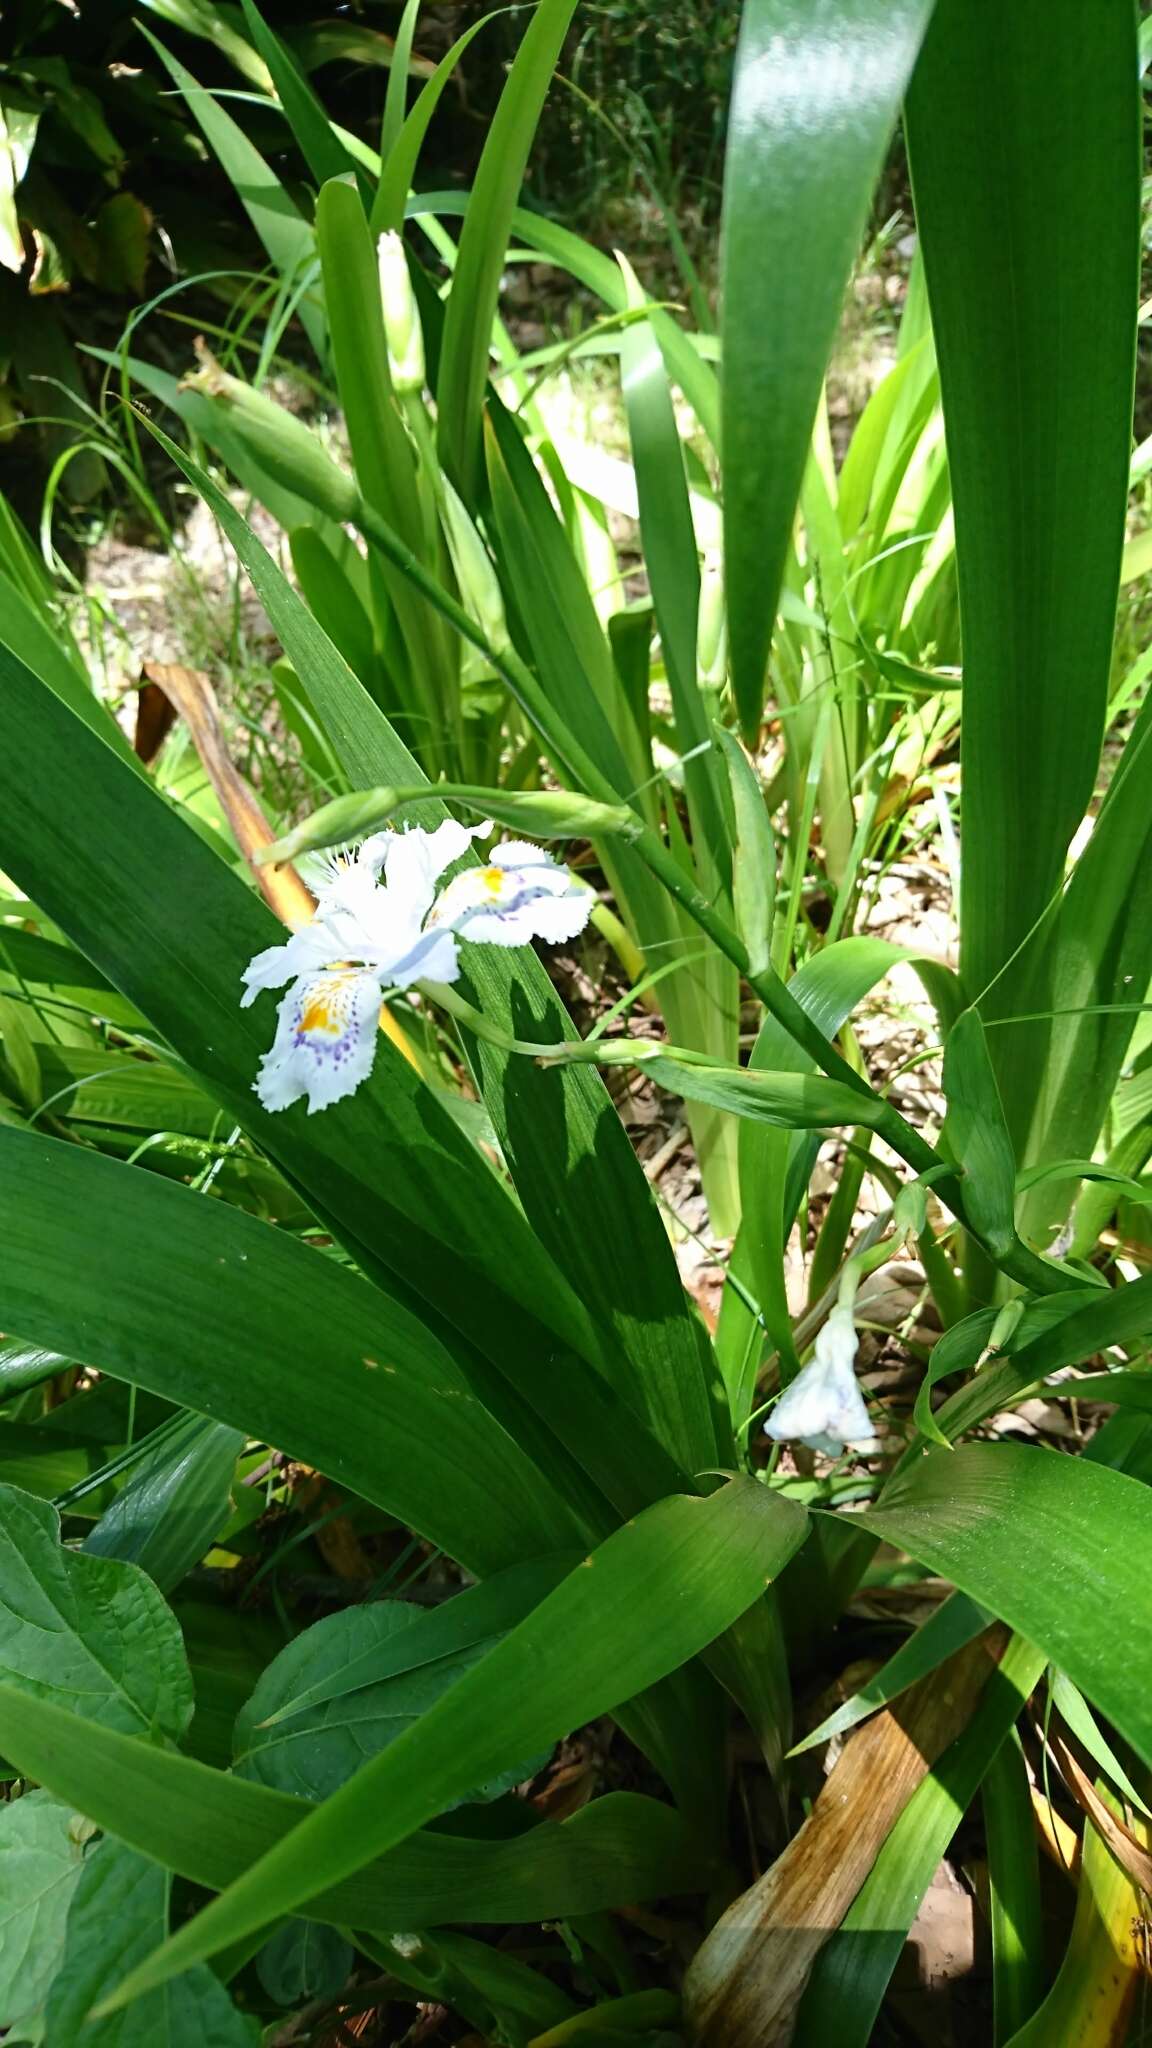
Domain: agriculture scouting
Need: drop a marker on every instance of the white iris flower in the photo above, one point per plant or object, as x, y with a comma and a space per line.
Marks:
520, 895
380, 924
823, 1407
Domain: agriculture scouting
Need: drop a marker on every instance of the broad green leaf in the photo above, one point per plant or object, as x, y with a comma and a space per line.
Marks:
86, 1630
438, 1223
1054, 1545
1014, 1903
1087, 962
33, 634
242, 1323
1027, 185
692, 1566
816, 91
851, 1973
174, 1503
41, 1858
209, 1826
26, 1365
60, 976
118, 1913
392, 1639
314, 1750
484, 241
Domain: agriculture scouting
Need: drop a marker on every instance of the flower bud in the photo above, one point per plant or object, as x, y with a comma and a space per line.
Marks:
280, 443
402, 330
544, 813
712, 629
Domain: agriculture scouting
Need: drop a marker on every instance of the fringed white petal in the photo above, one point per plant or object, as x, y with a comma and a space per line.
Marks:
313, 947
415, 861
519, 896
325, 1040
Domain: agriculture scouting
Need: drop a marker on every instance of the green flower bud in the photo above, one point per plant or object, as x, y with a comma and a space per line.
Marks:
542, 813
712, 629
281, 444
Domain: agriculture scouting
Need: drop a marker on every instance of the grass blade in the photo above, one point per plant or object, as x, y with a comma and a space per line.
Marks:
484, 242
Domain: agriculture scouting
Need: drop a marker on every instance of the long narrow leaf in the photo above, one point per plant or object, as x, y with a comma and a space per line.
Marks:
1027, 184
816, 92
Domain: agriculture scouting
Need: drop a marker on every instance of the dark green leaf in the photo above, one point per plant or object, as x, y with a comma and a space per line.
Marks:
313, 1750
303, 1960
41, 1851
1027, 184
173, 1504
240, 1322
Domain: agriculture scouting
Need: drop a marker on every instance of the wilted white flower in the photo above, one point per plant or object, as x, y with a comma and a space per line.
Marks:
379, 924
823, 1407
522, 894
